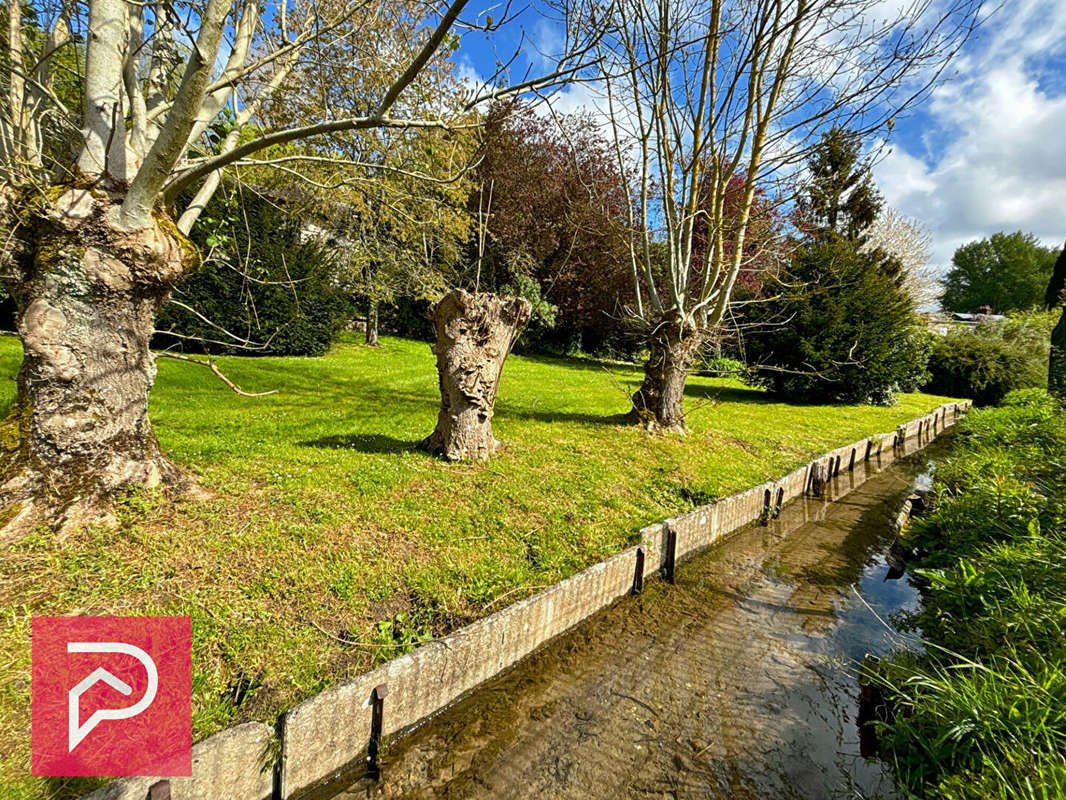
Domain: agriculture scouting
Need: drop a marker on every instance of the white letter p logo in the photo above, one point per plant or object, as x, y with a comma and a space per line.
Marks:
76, 732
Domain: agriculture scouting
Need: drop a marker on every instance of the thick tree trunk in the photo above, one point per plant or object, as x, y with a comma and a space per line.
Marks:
1056, 382
87, 297
658, 404
372, 323
475, 333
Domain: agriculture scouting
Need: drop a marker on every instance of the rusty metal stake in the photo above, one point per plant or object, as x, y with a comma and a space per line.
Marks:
671, 555
377, 698
638, 574
160, 790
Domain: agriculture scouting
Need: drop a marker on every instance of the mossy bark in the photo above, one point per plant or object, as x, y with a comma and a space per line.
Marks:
87, 295
659, 403
475, 333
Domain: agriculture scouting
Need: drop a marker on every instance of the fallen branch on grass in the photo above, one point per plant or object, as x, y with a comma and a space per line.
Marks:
218, 373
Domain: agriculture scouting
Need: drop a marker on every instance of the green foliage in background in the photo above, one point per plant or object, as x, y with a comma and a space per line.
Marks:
264, 288
842, 199
1006, 272
981, 712
987, 362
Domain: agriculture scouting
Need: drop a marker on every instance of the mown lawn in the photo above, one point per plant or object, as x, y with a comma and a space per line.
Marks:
329, 542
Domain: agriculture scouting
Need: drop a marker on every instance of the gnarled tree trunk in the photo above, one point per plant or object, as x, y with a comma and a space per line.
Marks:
475, 333
87, 294
658, 404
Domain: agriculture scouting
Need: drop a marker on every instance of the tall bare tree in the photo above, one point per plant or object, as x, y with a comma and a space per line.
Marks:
89, 204
702, 94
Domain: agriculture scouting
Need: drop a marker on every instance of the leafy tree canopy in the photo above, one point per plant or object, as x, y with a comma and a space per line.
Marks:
1005, 272
552, 201
1057, 284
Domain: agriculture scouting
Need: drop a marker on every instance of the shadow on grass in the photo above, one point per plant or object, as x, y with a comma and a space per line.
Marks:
71, 788
364, 443
729, 394
509, 412
586, 363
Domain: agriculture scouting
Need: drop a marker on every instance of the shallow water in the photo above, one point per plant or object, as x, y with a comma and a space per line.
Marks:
739, 681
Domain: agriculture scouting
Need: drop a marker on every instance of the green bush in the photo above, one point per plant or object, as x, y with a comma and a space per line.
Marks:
993, 359
261, 283
1034, 397
839, 329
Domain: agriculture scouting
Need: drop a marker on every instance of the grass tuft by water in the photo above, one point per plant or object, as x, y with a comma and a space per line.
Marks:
982, 712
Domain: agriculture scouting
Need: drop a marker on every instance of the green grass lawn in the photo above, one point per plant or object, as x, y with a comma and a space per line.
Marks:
329, 542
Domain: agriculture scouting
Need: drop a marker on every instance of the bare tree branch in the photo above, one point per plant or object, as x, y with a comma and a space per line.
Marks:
210, 364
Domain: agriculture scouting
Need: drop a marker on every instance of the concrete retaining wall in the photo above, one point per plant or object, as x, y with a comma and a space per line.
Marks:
329, 732
232, 764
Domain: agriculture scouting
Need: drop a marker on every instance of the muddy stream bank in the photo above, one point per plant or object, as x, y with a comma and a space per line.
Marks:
739, 681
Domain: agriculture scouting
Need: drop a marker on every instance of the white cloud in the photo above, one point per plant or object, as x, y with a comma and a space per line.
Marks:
994, 157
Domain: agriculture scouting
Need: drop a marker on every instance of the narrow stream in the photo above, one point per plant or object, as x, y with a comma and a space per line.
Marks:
739, 681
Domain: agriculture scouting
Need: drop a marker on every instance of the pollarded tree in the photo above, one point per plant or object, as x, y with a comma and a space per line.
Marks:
94, 242
701, 92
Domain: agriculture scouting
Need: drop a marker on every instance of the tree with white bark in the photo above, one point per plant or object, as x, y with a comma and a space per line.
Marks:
94, 238
702, 94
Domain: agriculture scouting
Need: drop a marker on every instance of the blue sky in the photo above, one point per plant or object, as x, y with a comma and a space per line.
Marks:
985, 152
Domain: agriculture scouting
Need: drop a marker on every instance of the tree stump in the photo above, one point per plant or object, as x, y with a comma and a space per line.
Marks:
475, 333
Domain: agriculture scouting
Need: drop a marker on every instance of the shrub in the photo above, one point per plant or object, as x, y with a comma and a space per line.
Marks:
262, 282
1034, 398
841, 329
993, 359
